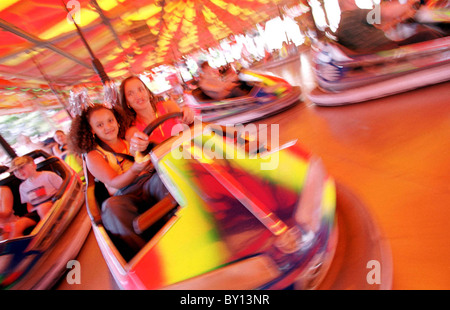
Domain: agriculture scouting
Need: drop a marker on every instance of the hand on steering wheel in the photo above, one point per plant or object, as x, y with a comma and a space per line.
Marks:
156, 123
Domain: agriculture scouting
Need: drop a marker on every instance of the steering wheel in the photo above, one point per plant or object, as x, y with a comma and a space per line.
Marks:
156, 123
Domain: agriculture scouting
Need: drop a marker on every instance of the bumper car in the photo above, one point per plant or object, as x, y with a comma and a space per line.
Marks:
38, 259
288, 54
346, 77
266, 95
239, 216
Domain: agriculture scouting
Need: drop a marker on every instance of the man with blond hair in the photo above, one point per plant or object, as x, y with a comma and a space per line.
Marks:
38, 187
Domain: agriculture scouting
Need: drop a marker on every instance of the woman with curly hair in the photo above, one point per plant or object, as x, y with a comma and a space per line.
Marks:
98, 135
141, 107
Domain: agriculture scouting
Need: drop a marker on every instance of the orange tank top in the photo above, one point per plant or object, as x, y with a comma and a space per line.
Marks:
164, 131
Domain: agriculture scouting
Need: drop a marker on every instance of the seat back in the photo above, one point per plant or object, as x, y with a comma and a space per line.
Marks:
96, 193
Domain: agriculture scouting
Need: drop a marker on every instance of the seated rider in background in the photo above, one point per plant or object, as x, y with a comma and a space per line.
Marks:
382, 28
36, 190
38, 187
60, 148
62, 151
219, 86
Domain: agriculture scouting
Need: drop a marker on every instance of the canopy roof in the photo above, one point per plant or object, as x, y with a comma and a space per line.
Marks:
39, 44
125, 35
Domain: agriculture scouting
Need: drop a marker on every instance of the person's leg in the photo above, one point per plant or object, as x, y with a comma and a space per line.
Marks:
154, 189
44, 208
18, 227
118, 213
6, 202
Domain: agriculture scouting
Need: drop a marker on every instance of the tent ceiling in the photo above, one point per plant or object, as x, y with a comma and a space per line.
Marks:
127, 36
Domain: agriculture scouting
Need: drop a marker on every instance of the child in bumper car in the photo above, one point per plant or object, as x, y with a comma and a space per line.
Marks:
98, 135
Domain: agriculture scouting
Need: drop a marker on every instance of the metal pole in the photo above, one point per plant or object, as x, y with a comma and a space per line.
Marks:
8, 149
107, 22
38, 42
98, 67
